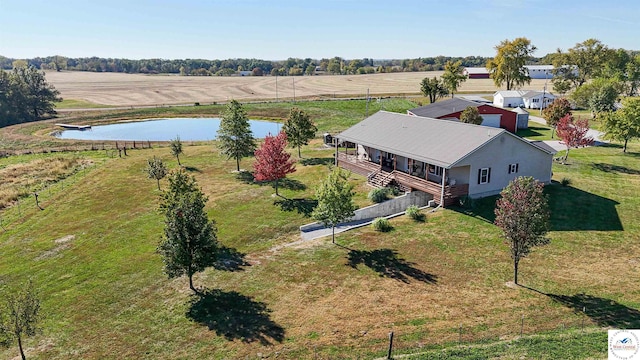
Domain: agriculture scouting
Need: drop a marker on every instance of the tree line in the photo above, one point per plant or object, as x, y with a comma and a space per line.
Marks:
25, 96
202, 67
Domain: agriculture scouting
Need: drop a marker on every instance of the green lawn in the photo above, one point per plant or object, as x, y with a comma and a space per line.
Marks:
536, 131
105, 296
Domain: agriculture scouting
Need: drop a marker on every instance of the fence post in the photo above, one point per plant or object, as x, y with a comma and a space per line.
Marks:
390, 346
521, 325
460, 335
584, 313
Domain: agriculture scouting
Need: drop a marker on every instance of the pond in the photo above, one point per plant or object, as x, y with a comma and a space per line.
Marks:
189, 129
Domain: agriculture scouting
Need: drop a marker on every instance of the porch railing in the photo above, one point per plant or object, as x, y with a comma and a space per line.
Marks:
371, 169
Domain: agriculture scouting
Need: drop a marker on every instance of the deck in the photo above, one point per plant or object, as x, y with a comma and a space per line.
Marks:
367, 168
74, 127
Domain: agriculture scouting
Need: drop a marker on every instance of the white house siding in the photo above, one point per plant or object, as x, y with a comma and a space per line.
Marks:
498, 155
534, 102
510, 102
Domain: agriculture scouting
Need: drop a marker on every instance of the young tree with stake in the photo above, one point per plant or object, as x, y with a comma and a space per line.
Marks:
156, 169
335, 201
573, 133
522, 213
273, 162
176, 148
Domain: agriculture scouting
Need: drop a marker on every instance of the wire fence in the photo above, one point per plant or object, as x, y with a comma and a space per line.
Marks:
37, 195
580, 332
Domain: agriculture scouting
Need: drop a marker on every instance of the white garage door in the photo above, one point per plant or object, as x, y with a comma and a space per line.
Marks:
492, 120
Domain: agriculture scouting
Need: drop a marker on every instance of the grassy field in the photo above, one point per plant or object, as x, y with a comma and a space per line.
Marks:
117, 89
91, 253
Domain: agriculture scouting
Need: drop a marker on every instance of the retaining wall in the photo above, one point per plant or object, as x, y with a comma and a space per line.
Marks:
390, 207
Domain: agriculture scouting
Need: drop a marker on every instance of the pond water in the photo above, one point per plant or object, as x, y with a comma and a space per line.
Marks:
189, 129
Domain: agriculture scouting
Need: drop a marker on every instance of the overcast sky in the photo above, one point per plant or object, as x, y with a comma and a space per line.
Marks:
275, 30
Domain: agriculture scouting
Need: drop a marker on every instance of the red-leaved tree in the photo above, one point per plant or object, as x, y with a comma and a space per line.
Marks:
573, 133
272, 161
522, 212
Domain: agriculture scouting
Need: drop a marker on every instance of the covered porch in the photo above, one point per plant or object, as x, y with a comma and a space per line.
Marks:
408, 173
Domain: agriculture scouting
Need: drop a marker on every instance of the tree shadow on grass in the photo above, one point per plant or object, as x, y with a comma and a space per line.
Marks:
317, 161
571, 209
230, 259
234, 316
532, 131
387, 264
286, 183
610, 168
245, 176
605, 312
302, 206
483, 208
192, 169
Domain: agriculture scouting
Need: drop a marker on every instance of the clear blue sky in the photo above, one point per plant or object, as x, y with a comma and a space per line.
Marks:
275, 30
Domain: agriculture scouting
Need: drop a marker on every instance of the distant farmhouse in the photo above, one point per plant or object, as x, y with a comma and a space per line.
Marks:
446, 159
452, 109
523, 98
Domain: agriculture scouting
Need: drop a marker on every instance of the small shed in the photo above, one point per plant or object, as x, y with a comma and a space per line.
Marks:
522, 118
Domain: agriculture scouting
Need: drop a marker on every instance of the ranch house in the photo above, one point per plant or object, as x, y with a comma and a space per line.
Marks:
523, 98
446, 159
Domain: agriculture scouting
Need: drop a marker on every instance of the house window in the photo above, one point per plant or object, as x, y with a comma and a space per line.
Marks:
513, 168
435, 170
484, 175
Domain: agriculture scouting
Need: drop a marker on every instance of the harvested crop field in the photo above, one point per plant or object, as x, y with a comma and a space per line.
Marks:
118, 89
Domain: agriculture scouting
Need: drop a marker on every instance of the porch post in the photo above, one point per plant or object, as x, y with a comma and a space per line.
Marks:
336, 160
444, 174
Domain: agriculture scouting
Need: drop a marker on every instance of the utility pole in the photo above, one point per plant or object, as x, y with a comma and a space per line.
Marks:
367, 102
276, 85
544, 90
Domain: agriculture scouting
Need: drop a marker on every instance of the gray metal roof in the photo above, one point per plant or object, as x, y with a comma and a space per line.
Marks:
444, 107
476, 98
520, 110
434, 141
544, 146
